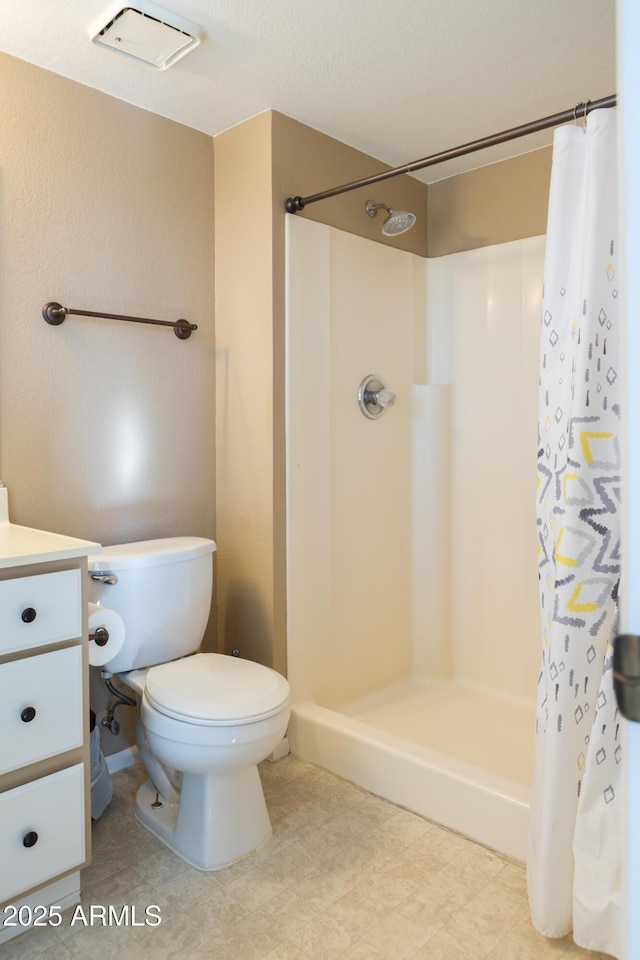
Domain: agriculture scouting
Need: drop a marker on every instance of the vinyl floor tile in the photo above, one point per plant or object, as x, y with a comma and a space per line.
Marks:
345, 876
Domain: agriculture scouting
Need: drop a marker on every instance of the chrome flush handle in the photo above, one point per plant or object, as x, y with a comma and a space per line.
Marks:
104, 578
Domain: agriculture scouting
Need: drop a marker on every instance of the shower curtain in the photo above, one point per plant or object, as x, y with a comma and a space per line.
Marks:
574, 869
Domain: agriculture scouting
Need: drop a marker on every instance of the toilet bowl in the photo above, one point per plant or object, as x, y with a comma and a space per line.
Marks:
206, 720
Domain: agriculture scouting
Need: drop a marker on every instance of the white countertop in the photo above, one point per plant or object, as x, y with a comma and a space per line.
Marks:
22, 545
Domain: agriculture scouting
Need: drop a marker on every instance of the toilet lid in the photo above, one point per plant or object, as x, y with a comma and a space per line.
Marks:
210, 688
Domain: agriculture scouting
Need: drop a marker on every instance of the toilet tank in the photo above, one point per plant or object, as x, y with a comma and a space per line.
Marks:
163, 595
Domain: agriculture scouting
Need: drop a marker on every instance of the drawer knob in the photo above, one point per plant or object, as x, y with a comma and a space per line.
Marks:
29, 615
28, 714
30, 839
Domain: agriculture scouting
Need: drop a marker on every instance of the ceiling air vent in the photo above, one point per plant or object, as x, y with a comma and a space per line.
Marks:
146, 33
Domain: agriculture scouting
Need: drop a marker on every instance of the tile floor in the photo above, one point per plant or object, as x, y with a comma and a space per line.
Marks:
346, 875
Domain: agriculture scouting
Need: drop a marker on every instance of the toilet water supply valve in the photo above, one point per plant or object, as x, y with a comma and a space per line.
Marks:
110, 721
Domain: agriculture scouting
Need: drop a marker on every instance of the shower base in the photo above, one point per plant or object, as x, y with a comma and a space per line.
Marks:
451, 752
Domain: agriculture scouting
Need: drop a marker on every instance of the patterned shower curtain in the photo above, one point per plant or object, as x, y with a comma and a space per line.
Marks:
574, 868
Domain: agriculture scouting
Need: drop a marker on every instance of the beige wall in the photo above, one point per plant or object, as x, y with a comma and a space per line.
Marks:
244, 392
493, 204
106, 428
306, 161
258, 165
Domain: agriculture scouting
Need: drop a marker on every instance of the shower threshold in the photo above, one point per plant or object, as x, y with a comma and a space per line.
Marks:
452, 752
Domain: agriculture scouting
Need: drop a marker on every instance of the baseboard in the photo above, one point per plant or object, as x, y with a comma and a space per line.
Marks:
121, 760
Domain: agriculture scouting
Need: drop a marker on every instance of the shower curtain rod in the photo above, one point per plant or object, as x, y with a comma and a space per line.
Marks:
294, 204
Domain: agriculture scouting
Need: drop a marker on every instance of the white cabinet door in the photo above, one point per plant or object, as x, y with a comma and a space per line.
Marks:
42, 832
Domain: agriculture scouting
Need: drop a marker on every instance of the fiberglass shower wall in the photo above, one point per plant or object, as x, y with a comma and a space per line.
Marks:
350, 313
411, 538
483, 318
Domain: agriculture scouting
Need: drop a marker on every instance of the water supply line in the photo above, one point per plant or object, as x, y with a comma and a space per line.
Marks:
110, 721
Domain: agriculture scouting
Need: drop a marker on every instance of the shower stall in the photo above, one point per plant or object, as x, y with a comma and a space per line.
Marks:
412, 610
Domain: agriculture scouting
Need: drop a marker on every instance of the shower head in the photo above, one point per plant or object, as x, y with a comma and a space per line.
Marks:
397, 222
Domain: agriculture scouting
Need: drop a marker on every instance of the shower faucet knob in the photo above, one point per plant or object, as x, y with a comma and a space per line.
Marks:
374, 398
385, 398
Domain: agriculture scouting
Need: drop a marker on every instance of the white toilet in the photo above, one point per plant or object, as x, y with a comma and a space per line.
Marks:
206, 720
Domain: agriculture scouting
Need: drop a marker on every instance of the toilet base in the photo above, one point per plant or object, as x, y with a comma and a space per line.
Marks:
218, 820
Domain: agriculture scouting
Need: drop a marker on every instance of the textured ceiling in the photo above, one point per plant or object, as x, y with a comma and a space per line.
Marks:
399, 79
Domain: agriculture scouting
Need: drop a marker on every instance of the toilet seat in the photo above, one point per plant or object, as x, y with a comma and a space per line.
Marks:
212, 689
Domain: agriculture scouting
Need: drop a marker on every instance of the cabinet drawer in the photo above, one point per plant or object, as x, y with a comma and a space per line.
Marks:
40, 707
38, 610
42, 830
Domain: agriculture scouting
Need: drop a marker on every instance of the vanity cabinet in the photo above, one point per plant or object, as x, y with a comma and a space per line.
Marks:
45, 799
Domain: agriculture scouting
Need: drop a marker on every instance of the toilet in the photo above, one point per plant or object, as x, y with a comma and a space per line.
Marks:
206, 720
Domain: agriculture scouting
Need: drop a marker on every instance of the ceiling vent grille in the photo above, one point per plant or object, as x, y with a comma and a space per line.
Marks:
146, 33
